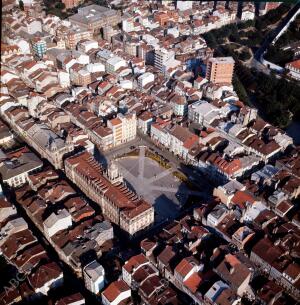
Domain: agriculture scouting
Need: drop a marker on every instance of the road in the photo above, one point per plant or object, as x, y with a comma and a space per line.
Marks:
270, 37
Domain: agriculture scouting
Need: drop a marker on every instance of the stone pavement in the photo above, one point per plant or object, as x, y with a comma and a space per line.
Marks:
155, 184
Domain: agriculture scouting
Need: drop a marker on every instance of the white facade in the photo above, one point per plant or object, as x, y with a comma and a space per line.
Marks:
95, 67
161, 56
6, 211
94, 277
145, 79
53, 283
114, 63
128, 25
34, 26
64, 79
247, 15
57, 222
184, 5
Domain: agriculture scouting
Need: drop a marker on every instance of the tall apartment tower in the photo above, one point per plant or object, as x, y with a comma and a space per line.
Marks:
220, 70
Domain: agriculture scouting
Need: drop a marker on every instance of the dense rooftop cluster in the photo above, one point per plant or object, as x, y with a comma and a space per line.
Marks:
102, 81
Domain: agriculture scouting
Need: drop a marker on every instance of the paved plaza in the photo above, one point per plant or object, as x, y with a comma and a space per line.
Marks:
155, 184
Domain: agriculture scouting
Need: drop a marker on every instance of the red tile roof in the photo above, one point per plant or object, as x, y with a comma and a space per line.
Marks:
115, 289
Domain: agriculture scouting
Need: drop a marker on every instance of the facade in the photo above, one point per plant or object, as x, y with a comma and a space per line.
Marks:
114, 63
294, 69
184, 5
117, 202
39, 47
161, 57
94, 277
145, 79
15, 170
71, 3
220, 70
57, 221
144, 122
123, 128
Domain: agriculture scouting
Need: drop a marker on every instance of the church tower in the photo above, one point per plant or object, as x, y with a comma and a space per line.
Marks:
113, 173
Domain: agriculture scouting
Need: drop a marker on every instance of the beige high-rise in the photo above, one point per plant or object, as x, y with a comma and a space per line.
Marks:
220, 70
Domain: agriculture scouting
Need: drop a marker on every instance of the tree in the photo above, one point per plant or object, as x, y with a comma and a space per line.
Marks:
244, 55
60, 6
21, 5
240, 90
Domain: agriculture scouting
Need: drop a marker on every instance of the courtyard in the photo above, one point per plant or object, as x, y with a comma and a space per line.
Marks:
155, 184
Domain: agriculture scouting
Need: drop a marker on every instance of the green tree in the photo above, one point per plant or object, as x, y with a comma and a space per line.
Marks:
21, 5
60, 6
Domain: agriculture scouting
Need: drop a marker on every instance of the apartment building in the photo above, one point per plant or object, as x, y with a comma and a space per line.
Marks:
71, 3
94, 277
161, 57
220, 70
73, 35
123, 128
18, 165
118, 203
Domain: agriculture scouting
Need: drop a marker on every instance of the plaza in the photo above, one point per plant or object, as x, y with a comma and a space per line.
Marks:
155, 184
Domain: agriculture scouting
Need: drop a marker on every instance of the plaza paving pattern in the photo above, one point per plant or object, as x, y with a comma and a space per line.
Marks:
155, 184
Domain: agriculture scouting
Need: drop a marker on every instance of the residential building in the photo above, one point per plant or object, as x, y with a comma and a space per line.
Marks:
144, 122
184, 5
18, 165
46, 277
161, 57
123, 128
39, 47
6, 209
220, 70
60, 220
94, 277
114, 63
145, 79
115, 293
71, 3
294, 69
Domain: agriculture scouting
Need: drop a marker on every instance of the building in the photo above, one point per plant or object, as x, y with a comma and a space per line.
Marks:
57, 222
6, 209
220, 70
118, 203
46, 277
145, 79
123, 128
161, 57
71, 3
294, 69
115, 293
114, 63
202, 113
184, 5
74, 299
94, 274
144, 122
266, 6
39, 47
94, 17
15, 169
